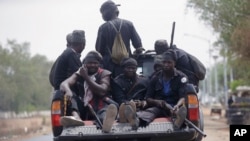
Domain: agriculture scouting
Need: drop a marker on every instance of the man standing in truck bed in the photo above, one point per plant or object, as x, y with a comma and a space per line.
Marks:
106, 36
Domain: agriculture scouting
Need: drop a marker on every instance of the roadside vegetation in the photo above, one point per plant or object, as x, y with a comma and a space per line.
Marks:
230, 19
24, 81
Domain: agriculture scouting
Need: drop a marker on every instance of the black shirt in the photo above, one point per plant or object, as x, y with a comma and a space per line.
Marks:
105, 40
67, 63
122, 85
106, 36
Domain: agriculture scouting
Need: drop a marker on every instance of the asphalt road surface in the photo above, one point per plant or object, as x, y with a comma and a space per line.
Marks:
215, 128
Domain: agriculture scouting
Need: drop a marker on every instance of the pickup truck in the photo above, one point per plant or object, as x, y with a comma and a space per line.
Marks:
238, 111
160, 129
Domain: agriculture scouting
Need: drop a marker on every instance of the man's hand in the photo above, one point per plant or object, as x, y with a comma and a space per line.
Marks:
84, 71
139, 50
68, 94
176, 108
140, 104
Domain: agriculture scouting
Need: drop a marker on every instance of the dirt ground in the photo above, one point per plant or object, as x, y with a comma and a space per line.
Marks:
13, 129
215, 126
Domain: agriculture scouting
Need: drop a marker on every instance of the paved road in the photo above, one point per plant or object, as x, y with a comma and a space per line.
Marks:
41, 138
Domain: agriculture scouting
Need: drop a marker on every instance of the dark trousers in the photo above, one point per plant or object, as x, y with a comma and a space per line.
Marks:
149, 114
84, 112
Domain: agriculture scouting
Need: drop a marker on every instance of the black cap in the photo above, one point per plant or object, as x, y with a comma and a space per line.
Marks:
109, 5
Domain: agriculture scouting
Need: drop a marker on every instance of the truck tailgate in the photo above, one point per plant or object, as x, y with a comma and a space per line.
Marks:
155, 130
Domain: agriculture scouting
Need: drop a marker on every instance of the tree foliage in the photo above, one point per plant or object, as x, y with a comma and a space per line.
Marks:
24, 83
231, 19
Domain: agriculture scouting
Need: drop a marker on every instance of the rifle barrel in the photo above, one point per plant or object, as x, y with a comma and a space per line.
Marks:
172, 35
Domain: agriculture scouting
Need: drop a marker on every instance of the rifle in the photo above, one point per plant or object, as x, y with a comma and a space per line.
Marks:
108, 100
137, 102
172, 35
94, 113
187, 121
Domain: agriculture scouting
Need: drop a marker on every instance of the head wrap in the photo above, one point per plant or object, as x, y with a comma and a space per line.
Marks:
169, 55
128, 62
78, 36
109, 5
93, 55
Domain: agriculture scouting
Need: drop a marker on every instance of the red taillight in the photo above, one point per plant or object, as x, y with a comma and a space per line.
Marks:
56, 113
193, 108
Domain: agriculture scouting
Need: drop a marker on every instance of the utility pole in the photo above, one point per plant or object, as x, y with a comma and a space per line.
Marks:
209, 70
225, 77
216, 75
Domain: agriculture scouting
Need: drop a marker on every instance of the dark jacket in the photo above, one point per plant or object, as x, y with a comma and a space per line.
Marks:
122, 85
177, 87
183, 64
105, 40
66, 64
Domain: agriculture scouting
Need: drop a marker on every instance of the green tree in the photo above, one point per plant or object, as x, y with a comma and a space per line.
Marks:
24, 83
231, 20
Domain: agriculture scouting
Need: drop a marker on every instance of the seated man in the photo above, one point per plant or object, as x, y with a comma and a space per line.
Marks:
182, 61
166, 89
129, 86
93, 84
157, 65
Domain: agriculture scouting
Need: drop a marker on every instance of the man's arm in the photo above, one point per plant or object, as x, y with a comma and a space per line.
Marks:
101, 88
180, 102
118, 93
100, 44
136, 39
66, 84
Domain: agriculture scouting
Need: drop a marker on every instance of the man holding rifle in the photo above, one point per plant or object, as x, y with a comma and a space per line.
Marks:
166, 87
129, 92
92, 84
182, 60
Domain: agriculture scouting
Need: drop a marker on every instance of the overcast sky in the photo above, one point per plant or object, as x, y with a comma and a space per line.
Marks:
45, 24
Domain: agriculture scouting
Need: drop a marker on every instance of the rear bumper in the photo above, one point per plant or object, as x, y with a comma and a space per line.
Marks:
175, 136
155, 132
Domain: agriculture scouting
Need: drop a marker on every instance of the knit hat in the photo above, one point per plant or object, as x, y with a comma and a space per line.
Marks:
128, 62
169, 55
93, 55
78, 36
